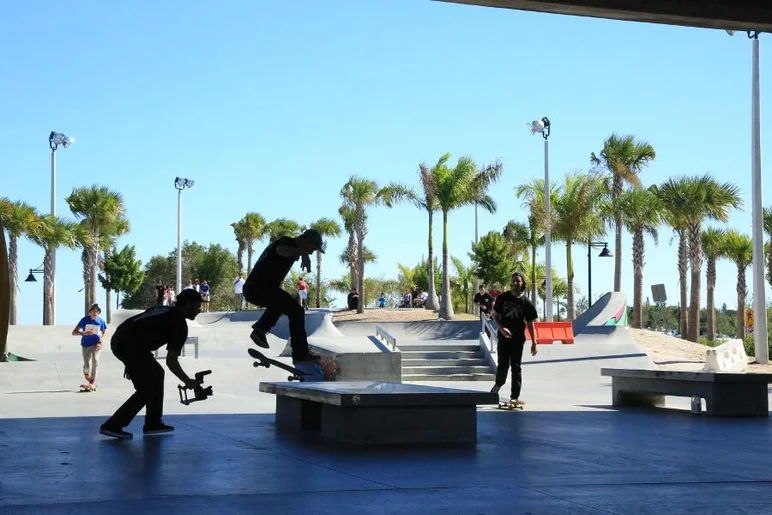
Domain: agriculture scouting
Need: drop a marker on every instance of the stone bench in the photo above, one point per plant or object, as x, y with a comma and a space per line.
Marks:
725, 394
363, 412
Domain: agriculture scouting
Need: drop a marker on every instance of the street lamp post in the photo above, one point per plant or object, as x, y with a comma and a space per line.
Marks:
757, 228
543, 127
55, 139
180, 183
603, 253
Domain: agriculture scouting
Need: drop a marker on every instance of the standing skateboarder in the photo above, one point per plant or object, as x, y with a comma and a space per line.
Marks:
512, 312
263, 287
133, 343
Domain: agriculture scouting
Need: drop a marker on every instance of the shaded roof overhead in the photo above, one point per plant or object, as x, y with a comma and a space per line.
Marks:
741, 15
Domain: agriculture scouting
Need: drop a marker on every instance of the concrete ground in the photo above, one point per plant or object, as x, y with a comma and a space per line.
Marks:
568, 453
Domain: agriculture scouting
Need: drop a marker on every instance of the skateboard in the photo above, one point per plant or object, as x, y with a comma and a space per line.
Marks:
265, 361
87, 388
512, 405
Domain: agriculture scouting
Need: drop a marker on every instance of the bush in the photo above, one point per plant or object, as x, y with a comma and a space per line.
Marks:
750, 345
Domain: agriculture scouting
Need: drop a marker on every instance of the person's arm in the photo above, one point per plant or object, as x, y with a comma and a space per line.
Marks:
173, 364
78, 331
291, 251
534, 341
104, 335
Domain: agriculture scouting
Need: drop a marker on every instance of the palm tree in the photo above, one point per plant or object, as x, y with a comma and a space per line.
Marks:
532, 194
349, 256
459, 186
109, 239
767, 216
53, 233
575, 211
5, 291
624, 158
325, 227
739, 248
517, 235
282, 227
641, 214
358, 194
713, 248
464, 280
21, 219
239, 232
99, 208
254, 229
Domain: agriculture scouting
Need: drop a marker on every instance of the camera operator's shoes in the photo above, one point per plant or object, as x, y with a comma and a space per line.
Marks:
157, 429
115, 432
259, 338
309, 356
495, 388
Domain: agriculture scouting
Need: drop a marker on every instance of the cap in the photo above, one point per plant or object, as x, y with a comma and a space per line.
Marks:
314, 237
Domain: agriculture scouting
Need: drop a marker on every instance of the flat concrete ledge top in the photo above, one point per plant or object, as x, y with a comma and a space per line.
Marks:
378, 393
707, 377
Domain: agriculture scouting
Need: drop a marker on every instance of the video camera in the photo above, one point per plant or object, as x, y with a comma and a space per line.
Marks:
199, 392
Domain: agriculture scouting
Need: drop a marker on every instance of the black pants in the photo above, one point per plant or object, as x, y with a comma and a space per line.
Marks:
510, 356
147, 375
278, 302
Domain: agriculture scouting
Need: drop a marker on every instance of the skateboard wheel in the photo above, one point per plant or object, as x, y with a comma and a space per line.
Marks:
290, 378
255, 364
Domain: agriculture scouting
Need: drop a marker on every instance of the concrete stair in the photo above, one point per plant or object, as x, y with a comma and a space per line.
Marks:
445, 362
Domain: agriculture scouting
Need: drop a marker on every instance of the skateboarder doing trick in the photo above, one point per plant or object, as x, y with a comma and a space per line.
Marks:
512, 311
133, 343
263, 287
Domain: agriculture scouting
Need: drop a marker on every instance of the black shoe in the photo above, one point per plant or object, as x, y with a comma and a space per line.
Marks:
495, 388
115, 432
157, 429
309, 356
259, 338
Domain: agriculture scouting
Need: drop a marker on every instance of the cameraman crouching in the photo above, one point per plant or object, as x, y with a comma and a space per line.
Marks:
133, 343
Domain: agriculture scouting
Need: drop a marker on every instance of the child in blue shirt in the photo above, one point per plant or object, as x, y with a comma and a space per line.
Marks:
92, 330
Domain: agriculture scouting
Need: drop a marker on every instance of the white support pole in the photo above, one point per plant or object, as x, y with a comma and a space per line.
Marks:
547, 234
53, 251
178, 285
759, 295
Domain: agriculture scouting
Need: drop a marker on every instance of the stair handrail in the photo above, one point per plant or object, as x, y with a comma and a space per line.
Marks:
492, 331
388, 338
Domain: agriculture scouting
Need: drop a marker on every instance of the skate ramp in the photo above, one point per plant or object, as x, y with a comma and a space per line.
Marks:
608, 311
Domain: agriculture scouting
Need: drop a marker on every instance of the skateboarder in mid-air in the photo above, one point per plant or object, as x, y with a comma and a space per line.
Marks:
263, 288
133, 343
512, 312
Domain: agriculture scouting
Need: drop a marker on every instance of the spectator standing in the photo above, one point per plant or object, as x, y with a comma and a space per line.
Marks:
238, 291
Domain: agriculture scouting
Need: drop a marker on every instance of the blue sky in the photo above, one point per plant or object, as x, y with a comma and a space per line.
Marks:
272, 106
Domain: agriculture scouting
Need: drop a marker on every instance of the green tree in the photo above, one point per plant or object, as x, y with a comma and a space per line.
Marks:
254, 229
641, 214
713, 248
624, 158
462, 284
518, 237
240, 232
99, 209
159, 271
490, 259
456, 187
282, 227
739, 248
767, 219
108, 244
326, 227
123, 272
533, 197
349, 256
53, 233
20, 219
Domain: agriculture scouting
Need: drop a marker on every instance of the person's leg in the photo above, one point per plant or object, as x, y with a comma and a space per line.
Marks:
141, 371
297, 324
516, 358
94, 365
503, 349
155, 396
86, 362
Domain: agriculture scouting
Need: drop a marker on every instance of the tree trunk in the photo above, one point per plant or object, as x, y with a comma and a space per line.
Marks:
108, 296
240, 257
86, 278
13, 280
361, 230
638, 256
446, 303
5, 295
533, 275
93, 269
616, 189
695, 263
432, 302
741, 294
569, 283
318, 279
250, 251
352, 261
711, 307
48, 288
683, 265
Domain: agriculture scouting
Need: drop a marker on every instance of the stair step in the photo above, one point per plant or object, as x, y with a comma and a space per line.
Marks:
441, 354
452, 377
439, 348
453, 362
446, 370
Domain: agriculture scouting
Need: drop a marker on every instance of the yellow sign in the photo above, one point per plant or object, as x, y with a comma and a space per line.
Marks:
748, 319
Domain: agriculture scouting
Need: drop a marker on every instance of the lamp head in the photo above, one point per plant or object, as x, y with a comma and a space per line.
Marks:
181, 183
540, 126
605, 252
57, 138
30, 278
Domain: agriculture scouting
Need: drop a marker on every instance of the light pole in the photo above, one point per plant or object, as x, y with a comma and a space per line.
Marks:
180, 183
54, 140
757, 230
543, 127
603, 253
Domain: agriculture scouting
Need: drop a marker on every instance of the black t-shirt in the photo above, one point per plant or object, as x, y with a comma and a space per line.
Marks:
272, 268
150, 330
515, 312
485, 301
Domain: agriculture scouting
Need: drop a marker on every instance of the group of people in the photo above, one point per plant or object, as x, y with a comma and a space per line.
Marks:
204, 289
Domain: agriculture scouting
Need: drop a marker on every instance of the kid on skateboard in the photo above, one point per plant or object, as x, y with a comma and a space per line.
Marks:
512, 312
92, 330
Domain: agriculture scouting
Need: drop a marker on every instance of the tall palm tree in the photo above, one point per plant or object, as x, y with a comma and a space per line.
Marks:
325, 227
282, 227
349, 256
21, 219
575, 211
739, 248
255, 229
358, 194
53, 233
99, 208
109, 239
713, 248
624, 158
239, 231
462, 185
704, 199
641, 214
517, 236
5, 287
532, 194
767, 217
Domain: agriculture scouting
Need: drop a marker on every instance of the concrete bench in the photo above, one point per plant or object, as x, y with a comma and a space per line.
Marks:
379, 412
725, 394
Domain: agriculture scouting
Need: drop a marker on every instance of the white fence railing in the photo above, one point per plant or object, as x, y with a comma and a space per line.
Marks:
388, 338
491, 330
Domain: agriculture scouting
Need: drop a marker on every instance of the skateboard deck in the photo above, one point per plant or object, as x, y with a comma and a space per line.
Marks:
512, 405
303, 372
87, 388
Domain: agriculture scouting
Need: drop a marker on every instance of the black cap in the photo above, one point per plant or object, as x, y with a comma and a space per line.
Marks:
315, 238
188, 296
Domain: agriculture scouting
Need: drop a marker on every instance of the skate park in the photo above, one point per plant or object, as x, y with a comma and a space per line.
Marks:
570, 451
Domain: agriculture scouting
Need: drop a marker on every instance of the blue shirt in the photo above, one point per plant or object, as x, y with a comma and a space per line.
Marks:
87, 340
